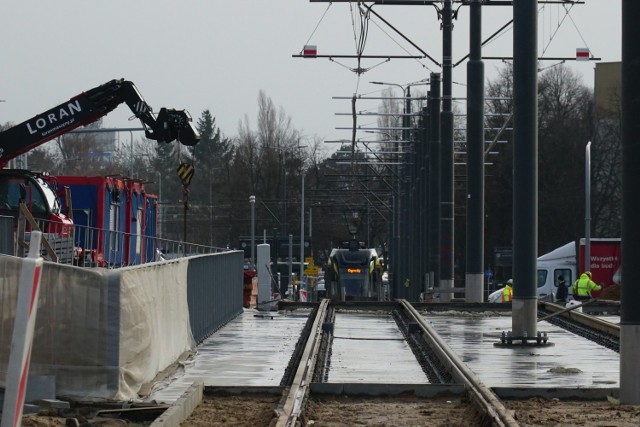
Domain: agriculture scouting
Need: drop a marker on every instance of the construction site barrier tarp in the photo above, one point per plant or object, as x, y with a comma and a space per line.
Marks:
101, 333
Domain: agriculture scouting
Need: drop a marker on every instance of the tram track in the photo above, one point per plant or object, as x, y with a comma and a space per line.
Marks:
599, 331
449, 394
447, 374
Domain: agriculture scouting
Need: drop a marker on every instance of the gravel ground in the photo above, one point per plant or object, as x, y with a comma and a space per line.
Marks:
554, 412
255, 410
390, 411
242, 410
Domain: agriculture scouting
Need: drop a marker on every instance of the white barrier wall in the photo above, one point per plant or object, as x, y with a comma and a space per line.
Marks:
154, 326
101, 333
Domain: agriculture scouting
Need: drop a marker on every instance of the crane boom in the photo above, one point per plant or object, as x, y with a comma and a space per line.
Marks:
167, 126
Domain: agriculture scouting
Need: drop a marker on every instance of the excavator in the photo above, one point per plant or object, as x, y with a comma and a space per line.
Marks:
18, 185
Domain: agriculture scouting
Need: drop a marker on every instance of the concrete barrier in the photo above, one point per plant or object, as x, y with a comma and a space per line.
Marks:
104, 333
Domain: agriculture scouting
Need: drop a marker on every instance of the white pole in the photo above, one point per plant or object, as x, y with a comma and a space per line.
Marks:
290, 264
587, 208
22, 339
302, 232
131, 162
252, 201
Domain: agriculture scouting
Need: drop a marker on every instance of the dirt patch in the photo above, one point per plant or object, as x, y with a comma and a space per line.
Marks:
611, 293
555, 412
57, 420
42, 421
244, 410
254, 410
389, 411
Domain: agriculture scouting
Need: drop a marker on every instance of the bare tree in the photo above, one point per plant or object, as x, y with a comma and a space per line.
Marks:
565, 123
606, 171
267, 164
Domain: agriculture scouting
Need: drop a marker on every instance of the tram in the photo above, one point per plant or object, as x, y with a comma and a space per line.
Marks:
354, 274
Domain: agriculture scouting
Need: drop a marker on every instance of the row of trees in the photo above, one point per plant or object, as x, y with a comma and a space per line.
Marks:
566, 123
268, 161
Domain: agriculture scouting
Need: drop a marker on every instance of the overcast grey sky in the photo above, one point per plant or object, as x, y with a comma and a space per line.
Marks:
218, 55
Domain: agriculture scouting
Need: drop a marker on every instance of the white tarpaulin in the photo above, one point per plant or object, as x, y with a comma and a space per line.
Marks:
154, 327
101, 333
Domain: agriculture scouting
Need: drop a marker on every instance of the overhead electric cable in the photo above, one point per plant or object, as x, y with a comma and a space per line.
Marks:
578, 30
553, 34
318, 24
402, 47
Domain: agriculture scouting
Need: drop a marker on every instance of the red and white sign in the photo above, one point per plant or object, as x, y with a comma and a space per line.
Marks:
310, 50
22, 339
606, 259
303, 295
582, 54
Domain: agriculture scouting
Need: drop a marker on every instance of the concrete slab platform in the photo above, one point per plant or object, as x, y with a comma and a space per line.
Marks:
572, 362
370, 348
250, 350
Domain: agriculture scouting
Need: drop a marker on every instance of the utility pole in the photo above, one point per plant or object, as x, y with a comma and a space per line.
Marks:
630, 315
302, 228
474, 278
434, 182
422, 147
525, 167
446, 275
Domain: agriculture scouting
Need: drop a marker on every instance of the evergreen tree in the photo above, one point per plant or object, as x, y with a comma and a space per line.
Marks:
208, 198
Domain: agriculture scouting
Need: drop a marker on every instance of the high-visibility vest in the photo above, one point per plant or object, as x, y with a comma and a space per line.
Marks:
584, 286
506, 294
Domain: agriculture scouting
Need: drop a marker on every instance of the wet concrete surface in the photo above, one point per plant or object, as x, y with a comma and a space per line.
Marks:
615, 319
370, 348
252, 350
473, 338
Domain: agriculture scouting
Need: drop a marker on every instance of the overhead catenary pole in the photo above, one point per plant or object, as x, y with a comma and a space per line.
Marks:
302, 229
400, 253
525, 167
447, 196
587, 207
434, 183
474, 284
409, 292
630, 297
423, 145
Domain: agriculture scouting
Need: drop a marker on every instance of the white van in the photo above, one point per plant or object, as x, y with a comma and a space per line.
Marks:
559, 262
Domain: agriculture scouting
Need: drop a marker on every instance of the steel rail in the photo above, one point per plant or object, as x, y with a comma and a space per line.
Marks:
487, 402
582, 318
299, 389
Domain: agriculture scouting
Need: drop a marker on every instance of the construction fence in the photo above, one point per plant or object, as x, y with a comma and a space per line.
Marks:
104, 333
